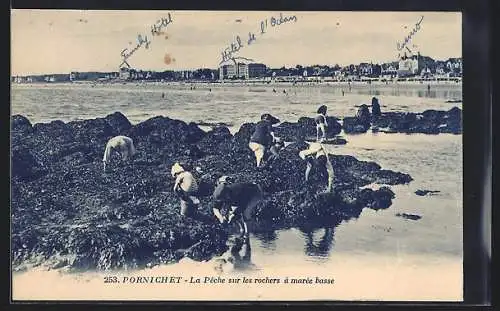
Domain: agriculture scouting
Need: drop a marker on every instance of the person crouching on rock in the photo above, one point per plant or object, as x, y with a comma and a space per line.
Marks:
186, 188
321, 123
240, 198
262, 137
123, 145
316, 156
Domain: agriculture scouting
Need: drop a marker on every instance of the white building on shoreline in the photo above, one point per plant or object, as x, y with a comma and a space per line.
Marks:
242, 71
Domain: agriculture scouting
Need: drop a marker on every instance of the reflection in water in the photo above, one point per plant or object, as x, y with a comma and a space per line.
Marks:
316, 230
241, 254
267, 238
238, 257
323, 247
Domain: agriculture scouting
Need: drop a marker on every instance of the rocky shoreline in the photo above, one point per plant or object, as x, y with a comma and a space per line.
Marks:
65, 209
427, 122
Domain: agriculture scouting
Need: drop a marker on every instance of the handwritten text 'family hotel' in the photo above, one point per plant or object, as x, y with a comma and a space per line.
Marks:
227, 53
156, 30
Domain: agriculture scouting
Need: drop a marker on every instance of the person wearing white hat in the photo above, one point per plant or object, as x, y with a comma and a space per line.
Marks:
316, 155
123, 145
186, 188
241, 198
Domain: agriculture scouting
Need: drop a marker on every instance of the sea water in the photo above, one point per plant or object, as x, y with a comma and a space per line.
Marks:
377, 256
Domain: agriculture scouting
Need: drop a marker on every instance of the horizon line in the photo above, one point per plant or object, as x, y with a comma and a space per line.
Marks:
217, 68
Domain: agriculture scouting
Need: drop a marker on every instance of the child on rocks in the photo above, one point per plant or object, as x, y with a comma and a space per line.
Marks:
186, 187
321, 123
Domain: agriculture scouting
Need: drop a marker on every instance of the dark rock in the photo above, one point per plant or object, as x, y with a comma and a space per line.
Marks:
379, 199
427, 122
425, 192
62, 202
55, 129
335, 141
194, 152
94, 131
305, 128
20, 124
195, 133
118, 123
24, 165
218, 140
213, 124
48, 141
353, 125
242, 137
165, 131
392, 178
409, 216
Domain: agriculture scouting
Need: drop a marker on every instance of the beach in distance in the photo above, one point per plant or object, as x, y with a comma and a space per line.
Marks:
371, 83
205, 101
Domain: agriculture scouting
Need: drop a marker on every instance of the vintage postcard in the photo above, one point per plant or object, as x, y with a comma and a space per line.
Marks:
236, 156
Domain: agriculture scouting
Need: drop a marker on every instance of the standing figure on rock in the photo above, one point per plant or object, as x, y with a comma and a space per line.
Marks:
363, 114
186, 188
321, 123
263, 137
123, 145
240, 198
316, 156
375, 108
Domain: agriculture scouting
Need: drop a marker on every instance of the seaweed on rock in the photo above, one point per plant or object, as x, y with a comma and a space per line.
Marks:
64, 206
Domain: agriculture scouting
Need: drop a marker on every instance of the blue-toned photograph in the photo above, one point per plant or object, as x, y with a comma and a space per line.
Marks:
229, 156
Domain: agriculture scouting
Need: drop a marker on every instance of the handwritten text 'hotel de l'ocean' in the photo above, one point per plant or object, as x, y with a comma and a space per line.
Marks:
156, 30
227, 53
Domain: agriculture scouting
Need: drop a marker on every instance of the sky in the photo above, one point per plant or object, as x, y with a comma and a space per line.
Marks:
61, 41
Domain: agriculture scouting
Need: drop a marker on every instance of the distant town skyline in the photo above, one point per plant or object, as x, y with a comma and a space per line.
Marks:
51, 41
